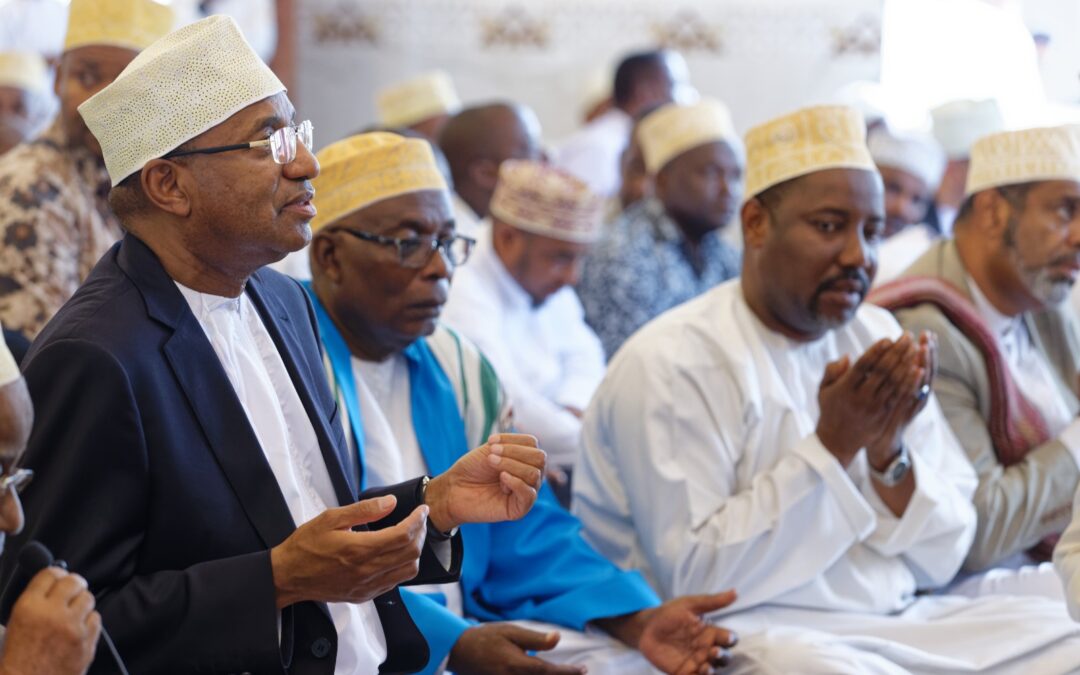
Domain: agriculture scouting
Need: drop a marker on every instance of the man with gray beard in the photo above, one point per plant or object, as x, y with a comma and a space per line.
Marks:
1009, 352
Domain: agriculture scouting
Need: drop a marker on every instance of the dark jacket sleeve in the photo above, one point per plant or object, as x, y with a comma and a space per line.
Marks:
89, 504
408, 498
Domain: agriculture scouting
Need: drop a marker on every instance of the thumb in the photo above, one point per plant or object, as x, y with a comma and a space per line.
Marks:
531, 640
359, 513
834, 371
703, 604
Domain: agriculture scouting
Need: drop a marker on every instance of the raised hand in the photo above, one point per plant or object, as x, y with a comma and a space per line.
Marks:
325, 560
859, 402
495, 482
502, 649
677, 640
911, 391
53, 627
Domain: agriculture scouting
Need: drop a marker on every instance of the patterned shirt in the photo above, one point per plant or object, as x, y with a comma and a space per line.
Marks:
644, 267
55, 223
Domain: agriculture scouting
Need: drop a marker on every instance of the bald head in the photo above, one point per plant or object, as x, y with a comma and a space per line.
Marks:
478, 140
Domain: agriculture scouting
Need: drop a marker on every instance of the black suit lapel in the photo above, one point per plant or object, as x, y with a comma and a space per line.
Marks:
228, 431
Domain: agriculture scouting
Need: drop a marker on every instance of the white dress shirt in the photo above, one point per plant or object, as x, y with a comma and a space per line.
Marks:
1031, 372
391, 451
547, 357
593, 154
287, 437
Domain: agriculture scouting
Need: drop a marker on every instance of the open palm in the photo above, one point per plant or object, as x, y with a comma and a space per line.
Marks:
678, 641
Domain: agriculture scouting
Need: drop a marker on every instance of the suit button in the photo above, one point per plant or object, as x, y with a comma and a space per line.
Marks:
320, 648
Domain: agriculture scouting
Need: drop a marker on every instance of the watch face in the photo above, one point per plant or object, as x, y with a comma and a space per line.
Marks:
899, 469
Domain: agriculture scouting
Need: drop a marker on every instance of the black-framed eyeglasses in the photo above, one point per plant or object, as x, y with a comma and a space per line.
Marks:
416, 252
282, 144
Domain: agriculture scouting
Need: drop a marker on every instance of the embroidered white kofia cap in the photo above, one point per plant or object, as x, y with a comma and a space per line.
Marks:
803, 142
184, 84
417, 99
917, 154
673, 129
539, 198
1025, 156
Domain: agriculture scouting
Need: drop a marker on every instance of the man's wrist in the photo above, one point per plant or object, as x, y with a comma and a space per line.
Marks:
436, 494
880, 459
627, 628
283, 597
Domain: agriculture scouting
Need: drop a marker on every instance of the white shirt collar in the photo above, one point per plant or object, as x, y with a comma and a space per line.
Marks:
515, 296
203, 304
1001, 325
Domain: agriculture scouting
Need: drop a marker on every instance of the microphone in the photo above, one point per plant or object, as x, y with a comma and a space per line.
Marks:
33, 558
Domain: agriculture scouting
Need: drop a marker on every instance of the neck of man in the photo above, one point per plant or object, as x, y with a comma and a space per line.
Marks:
188, 269
362, 343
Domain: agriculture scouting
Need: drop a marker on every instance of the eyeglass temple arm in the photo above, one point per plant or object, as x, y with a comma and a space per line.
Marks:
214, 151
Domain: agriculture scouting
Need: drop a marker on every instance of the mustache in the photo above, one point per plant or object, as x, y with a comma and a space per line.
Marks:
856, 275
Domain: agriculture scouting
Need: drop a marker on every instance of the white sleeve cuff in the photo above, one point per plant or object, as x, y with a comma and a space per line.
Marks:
1070, 438
860, 514
9, 370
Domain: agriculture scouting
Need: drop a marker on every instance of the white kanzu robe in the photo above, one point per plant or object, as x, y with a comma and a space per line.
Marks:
546, 356
701, 467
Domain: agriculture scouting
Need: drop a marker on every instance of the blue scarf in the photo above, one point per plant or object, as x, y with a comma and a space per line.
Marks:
436, 418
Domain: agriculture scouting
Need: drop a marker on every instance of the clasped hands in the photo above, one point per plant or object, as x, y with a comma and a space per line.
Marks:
324, 560
868, 404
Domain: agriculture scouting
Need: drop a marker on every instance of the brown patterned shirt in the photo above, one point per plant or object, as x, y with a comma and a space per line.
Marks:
55, 223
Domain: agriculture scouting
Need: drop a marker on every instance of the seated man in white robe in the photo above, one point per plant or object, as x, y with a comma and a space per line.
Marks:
418, 395
515, 300
911, 166
996, 296
778, 435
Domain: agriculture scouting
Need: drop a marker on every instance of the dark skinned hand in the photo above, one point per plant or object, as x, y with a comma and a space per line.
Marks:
502, 649
868, 404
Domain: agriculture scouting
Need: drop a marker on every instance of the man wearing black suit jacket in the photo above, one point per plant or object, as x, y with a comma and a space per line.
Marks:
192, 461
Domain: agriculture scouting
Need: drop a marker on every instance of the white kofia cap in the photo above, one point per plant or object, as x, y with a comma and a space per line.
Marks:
806, 141
914, 153
24, 70
539, 198
1025, 156
957, 125
673, 129
418, 99
186, 83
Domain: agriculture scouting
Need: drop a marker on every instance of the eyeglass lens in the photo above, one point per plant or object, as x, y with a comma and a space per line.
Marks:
283, 141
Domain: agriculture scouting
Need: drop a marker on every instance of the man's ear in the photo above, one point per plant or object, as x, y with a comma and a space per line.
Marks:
167, 186
485, 173
756, 223
991, 211
323, 254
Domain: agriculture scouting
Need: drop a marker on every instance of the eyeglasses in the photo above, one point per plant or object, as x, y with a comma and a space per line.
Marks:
16, 479
282, 144
416, 252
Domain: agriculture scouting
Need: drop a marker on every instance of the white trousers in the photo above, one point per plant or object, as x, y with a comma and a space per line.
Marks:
1041, 580
993, 635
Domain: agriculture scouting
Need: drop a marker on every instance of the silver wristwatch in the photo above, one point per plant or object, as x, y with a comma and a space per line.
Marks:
895, 472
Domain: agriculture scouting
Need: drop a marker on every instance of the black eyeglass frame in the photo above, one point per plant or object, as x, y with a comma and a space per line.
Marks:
436, 243
305, 128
